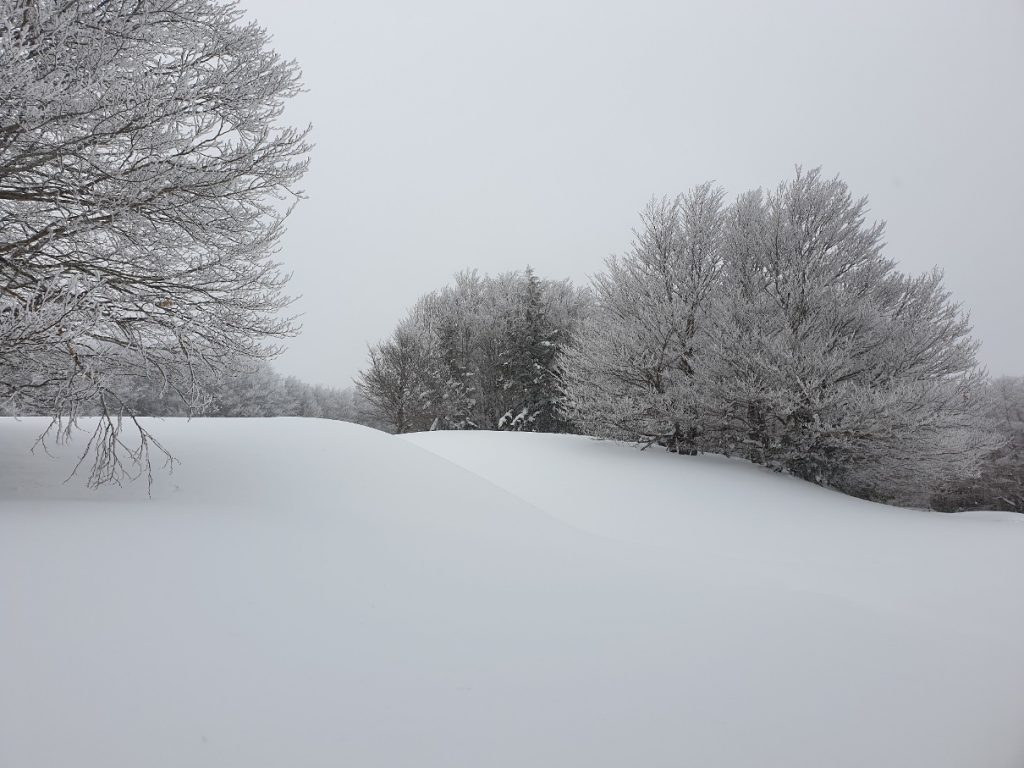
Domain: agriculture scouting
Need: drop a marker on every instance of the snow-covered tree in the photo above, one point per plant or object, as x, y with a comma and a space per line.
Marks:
528, 376
484, 348
787, 338
632, 373
447, 394
999, 483
257, 392
144, 180
826, 361
393, 382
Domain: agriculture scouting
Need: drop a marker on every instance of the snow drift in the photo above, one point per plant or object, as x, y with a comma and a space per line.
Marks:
312, 593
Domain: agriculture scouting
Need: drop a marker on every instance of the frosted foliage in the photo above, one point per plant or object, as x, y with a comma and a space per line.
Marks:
797, 344
144, 183
631, 372
478, 354
1000, 483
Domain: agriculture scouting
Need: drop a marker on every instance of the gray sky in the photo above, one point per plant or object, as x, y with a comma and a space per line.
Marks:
495, 135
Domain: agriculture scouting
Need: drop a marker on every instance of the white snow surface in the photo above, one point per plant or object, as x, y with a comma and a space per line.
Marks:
312, 593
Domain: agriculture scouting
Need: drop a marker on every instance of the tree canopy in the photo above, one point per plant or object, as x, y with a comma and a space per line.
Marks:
775, 329
144, 183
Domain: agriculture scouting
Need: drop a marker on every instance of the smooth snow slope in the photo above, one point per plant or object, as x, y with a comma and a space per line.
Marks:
310, 593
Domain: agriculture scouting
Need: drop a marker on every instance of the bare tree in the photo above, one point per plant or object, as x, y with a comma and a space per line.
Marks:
144, 184
392, 382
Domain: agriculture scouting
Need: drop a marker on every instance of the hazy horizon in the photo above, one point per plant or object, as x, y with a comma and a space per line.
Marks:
491, 137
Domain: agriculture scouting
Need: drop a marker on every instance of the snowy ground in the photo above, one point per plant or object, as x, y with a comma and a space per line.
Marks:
309, 593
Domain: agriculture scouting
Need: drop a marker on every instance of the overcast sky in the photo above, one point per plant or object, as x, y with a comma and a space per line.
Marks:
496, 135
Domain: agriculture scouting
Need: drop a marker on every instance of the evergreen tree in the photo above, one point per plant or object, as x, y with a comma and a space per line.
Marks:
528, 375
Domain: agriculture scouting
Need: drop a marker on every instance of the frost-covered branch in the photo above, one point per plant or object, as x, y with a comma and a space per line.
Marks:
144, 185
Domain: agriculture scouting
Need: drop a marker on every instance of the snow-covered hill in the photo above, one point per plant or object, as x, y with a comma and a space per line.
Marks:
311, 593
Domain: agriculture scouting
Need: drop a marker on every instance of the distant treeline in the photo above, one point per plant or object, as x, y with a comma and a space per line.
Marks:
255, 391
252, 390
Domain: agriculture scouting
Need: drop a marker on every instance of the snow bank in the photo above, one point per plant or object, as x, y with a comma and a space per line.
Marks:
313, 593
